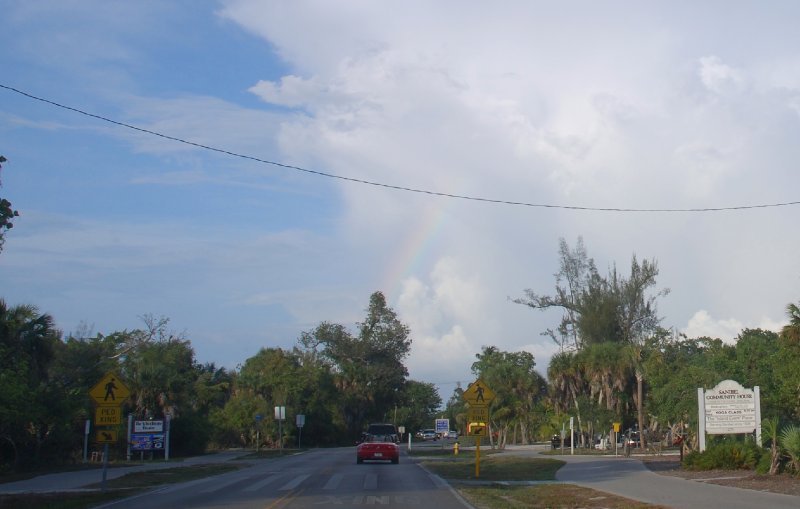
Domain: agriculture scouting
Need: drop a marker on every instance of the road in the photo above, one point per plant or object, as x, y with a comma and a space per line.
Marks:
631, 479
316, 479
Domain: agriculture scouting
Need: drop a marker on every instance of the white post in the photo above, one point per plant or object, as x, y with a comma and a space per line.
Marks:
409, 441
86, 440
571, 435
130, 430
701, 418
757, 396
166, 438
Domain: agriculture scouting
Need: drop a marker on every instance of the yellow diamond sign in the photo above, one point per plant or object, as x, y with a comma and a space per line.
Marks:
478, 394
109, 391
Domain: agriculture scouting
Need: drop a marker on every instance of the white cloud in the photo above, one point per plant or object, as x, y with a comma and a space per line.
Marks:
727, 329
719, 77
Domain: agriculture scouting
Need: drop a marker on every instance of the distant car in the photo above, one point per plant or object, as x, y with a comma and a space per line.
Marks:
378, 448
452, 434
382, 429
429, 434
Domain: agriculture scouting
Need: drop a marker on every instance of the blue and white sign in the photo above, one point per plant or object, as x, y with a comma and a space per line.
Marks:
442, 425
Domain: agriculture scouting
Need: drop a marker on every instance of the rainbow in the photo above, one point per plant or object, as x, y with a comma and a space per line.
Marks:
410, 259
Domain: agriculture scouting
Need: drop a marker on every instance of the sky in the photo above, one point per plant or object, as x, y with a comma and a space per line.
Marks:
249, 169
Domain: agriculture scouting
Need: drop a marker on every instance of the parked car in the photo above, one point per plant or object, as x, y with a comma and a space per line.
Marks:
631, 439
429, 434
378, 448
452, 434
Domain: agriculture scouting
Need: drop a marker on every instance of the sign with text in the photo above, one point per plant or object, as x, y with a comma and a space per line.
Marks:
442, 425
478, 414
730, 408
148, 426
107, 415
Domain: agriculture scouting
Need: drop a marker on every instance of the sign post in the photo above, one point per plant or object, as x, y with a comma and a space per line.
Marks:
280, 415
108, 394
300, 420
479, 396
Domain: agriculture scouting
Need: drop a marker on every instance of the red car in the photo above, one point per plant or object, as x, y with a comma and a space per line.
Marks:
378, 447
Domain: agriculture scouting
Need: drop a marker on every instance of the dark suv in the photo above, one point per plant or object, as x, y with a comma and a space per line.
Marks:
387, 430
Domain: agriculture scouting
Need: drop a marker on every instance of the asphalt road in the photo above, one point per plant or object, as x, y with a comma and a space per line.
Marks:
318, 478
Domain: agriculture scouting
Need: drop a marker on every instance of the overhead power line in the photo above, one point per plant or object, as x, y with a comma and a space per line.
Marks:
391, 186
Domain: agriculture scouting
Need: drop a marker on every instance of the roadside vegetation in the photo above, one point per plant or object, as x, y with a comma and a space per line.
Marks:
616, 363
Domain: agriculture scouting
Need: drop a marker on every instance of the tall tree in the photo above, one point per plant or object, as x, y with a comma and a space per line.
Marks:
369, 369
518, 388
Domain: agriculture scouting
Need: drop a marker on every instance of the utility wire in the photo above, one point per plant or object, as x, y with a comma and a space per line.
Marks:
391, 186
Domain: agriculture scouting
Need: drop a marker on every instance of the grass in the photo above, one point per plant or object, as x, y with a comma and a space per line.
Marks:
121, 487
546, 496
497, 468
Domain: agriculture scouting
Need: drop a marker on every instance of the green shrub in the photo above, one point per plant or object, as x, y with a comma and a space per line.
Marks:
764, 462
728, 455
790, 440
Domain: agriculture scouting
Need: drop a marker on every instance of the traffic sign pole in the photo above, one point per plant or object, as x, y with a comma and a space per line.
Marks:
477, 457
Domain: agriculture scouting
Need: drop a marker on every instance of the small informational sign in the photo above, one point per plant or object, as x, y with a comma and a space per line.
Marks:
148, 426
442, 425
104, 436
476, 429
300, 420
107, 416
478, 414
280, 413
147, 441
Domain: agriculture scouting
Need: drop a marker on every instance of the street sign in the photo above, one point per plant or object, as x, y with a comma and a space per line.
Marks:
478, 414
478, 394
442, 425
148, 426
476, 429
105, 436
107, 415
109, 390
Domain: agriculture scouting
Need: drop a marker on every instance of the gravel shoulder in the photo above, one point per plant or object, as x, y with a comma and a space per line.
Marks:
747, 479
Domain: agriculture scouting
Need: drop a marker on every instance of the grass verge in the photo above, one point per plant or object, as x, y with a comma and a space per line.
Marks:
546, 496
121, 487
497, 467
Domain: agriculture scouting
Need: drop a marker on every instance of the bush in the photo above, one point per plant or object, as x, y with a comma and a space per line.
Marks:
725, 456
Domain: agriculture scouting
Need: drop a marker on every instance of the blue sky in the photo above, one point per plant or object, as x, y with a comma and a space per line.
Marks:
619, 105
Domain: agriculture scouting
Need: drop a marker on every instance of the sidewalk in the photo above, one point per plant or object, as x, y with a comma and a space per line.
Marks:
77, 480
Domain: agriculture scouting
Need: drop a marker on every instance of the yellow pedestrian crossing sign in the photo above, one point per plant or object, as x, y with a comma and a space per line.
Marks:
109, 390
478, 394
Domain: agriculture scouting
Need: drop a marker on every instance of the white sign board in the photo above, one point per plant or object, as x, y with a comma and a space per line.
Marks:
148, 426
730, 408
442, 425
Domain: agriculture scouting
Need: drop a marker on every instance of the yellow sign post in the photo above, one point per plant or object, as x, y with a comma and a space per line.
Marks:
479, 396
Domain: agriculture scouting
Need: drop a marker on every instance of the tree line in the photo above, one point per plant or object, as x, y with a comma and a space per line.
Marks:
616, 363
340, 380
